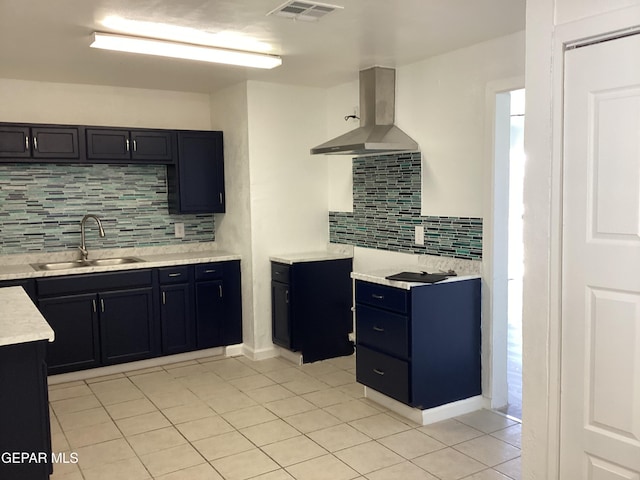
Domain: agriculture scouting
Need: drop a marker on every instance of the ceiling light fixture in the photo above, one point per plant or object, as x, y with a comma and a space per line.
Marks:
163, 48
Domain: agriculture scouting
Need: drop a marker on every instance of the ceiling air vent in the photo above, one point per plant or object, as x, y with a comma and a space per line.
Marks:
306, 11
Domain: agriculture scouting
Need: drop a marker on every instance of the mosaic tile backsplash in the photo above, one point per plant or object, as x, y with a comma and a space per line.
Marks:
386, 210
41, 207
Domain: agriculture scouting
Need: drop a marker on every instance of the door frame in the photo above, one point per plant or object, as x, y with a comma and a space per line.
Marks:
547, 415
495, 241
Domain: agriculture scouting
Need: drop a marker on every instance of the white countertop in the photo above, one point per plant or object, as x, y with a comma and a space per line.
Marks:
20, 320
378, 276
150, 258
291, 258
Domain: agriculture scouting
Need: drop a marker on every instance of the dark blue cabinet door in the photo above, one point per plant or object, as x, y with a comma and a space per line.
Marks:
55, 142
75, 325
176, 316
24, 410
232, 298
108, 144
209, 313
152, 146
281, 315
196, 183
126, 324
14, 142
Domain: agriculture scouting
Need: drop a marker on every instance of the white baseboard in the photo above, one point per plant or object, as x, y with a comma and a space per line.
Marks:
431, 415
139, 365
293, 357
262, 354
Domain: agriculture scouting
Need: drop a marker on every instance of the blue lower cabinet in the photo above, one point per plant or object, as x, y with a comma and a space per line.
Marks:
218, 304
74, 320
419, 346
24, 411
127, 325
177, 318
107, 318
311, 308
98, 319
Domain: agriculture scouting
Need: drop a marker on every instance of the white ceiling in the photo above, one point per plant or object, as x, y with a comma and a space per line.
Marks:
49, 40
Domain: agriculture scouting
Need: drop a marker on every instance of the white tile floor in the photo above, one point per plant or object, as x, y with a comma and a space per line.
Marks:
235, 419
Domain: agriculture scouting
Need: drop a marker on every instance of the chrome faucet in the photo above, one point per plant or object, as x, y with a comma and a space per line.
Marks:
83, 247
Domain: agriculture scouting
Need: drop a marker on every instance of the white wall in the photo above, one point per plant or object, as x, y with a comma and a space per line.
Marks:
549, 22
229, 113
570, 10
33, 102
440, 102
288, 186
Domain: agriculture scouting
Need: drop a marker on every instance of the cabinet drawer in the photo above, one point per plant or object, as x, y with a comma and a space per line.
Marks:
209, 271
383, 373
382, 330
382, 296
173, 274
280, 272
66, 285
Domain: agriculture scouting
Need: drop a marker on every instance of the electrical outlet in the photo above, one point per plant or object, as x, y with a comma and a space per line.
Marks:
179, 230
419, 235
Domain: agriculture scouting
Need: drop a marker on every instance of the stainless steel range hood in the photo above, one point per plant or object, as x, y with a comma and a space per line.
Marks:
377, 133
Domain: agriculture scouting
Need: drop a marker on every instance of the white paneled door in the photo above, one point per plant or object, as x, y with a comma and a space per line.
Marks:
600, 399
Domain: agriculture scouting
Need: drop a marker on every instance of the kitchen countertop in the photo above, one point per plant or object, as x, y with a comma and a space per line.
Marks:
20, 320
151, 257
378, 276
318, 256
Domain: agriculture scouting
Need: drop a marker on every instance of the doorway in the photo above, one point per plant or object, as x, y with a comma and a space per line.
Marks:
507, 252
515, 268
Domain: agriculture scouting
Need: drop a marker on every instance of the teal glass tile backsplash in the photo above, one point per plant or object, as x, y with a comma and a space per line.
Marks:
41, 207
386, 210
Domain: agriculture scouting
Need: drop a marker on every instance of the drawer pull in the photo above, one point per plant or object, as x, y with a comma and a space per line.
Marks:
378, 329
379, 372
209, 271
377, 297
175, 274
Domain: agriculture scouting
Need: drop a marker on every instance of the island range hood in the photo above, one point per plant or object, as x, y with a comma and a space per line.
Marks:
377, 132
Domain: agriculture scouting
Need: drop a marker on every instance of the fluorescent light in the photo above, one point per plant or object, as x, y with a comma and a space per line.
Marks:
177, 33
163, 48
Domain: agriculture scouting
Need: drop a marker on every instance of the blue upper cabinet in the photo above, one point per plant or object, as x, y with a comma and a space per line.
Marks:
196, 181
38, 143
130, 146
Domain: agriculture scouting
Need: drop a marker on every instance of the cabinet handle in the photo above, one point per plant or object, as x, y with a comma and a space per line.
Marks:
102, 305
35, 142
95, 307
220, 290
164, 298
287, 296
378, 329
175, 274
209, 271
135, 145
26, 142
379, 372
127, 142
220, 195
377, 297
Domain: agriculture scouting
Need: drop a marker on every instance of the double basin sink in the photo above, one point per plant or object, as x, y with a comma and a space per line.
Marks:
100, 262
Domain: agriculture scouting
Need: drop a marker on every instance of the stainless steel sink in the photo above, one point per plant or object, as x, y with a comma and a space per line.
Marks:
61, 265
100, 262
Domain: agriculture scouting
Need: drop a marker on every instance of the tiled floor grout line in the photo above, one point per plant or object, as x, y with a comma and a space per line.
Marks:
313, 376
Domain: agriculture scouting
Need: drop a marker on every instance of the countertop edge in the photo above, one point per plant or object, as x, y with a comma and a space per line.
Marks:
26, 271
381, 280
20, 320
305, 257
